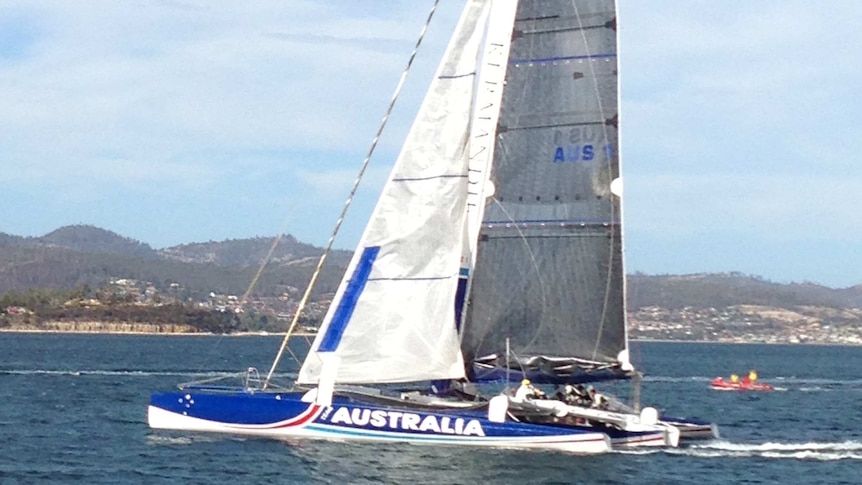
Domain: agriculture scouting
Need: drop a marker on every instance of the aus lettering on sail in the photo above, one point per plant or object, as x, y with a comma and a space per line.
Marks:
581, 144
396, 420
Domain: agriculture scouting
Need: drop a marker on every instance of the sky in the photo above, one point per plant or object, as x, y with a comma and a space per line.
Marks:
179, 121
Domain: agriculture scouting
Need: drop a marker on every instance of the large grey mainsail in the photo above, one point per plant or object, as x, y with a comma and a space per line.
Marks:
548, 275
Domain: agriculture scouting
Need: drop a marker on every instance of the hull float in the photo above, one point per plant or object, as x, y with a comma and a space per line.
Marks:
286, 415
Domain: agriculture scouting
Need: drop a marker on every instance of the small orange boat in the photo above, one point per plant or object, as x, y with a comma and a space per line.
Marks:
749, 383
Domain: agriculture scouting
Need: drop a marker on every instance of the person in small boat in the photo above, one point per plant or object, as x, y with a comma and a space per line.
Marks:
750, 378
734, 378
529, 391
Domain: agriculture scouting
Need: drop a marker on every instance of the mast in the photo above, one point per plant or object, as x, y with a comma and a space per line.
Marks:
483, 134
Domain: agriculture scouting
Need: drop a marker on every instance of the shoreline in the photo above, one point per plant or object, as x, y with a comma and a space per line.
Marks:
311, 334
166, 334
724, 342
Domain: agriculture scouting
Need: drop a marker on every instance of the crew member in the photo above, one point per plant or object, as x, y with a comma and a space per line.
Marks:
597, 400
528, 391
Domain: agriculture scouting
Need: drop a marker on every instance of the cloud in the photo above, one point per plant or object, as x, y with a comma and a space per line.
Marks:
741, 133
159, 83
783, 207
769, 82
740, 120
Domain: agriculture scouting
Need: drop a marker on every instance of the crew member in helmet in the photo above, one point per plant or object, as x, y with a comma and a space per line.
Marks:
528, 391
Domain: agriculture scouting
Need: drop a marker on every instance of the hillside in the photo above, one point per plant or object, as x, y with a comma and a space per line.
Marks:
92, 239
719, 290
86, 255
250, 252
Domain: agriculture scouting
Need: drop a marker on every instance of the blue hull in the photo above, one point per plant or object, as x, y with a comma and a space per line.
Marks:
285, 414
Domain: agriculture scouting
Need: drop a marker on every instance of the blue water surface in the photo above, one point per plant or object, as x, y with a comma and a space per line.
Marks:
73, 410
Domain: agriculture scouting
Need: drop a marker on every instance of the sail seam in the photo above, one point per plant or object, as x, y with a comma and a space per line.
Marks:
458, 76
553, 221
559, 125
563, 58
426, 278
433, 177
569, 29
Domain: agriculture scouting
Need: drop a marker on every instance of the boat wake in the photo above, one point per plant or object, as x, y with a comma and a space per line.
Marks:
161, 439
815, 451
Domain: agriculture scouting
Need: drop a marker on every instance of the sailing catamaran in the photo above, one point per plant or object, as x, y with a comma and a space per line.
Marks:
494, 253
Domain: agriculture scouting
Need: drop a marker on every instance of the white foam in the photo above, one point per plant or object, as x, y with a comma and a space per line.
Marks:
776, 446
637, 451
821, 451
814, 455
176, 440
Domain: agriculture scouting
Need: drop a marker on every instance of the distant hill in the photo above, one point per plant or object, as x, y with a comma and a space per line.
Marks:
91, 239
250, 252
86, 255
719, 290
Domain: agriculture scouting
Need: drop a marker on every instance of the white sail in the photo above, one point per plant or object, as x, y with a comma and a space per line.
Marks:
393, 317
489, 94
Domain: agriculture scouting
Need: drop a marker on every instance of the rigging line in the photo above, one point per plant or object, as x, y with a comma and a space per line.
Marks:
539, 275
609, 276
256, 277
517, 361
349, 201
260, 269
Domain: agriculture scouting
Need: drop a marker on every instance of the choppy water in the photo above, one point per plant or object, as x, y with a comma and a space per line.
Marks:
73, 410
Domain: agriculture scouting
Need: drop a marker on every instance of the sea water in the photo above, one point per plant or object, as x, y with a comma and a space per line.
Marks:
73, 410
